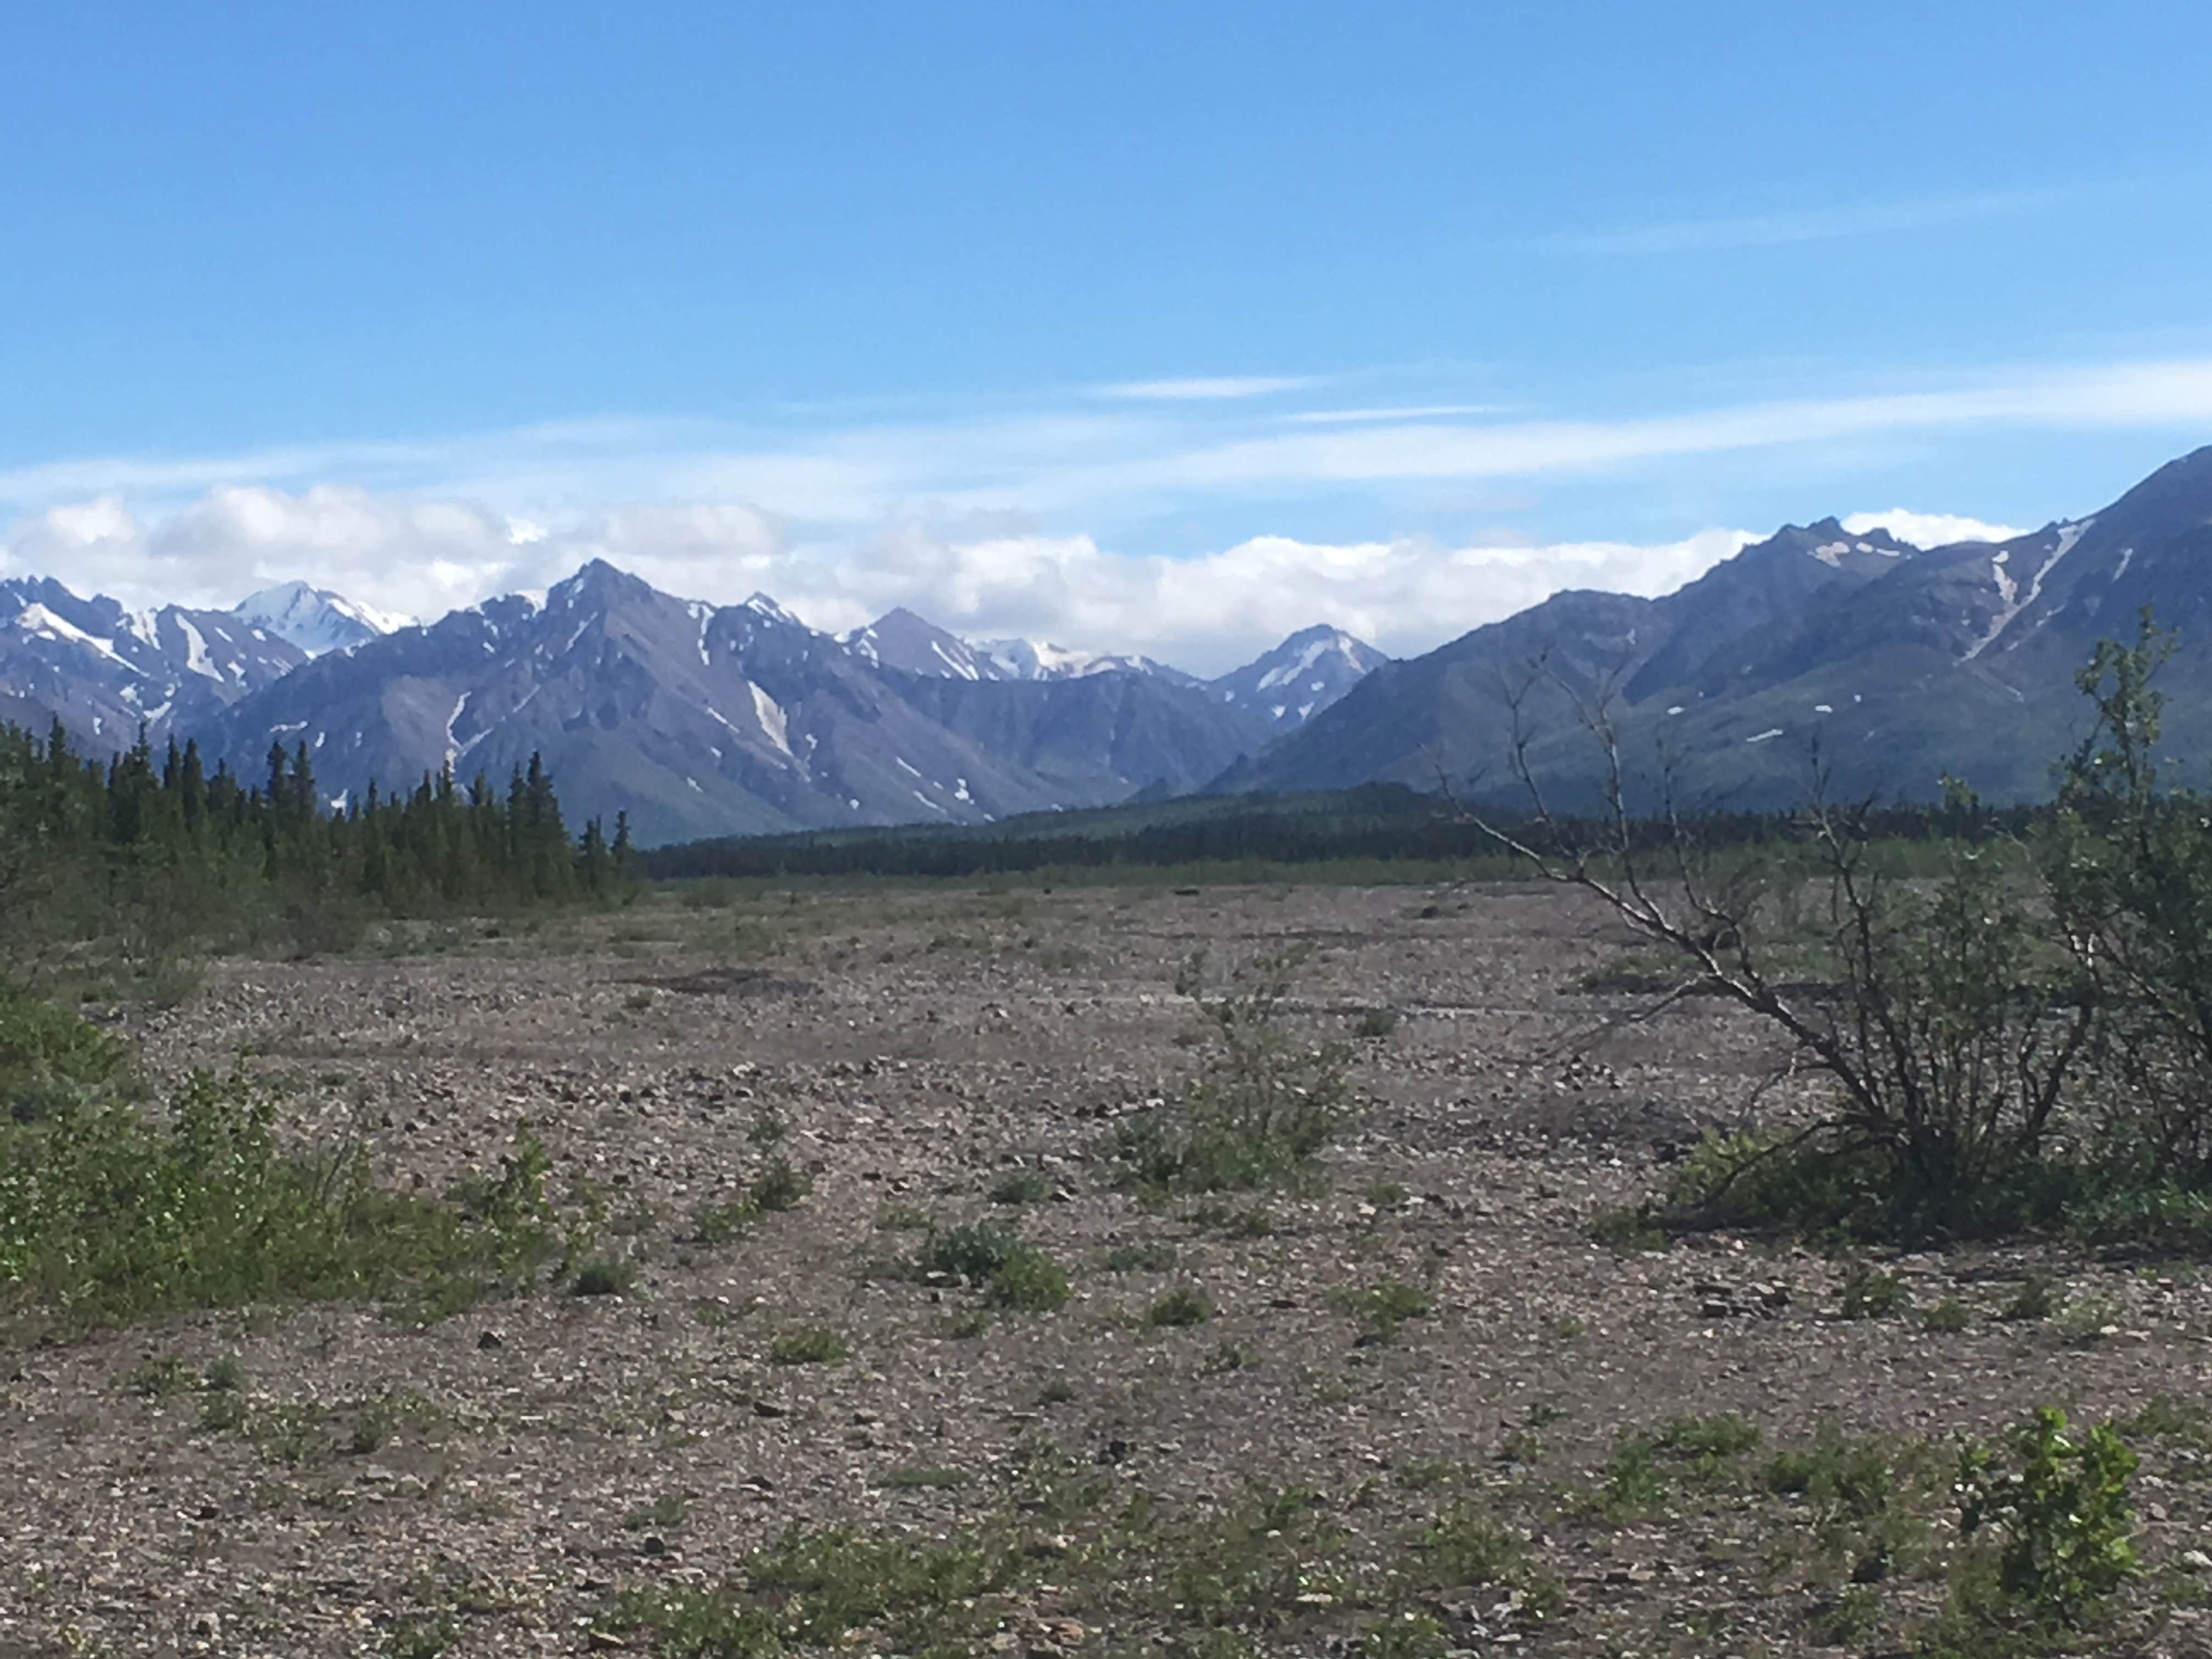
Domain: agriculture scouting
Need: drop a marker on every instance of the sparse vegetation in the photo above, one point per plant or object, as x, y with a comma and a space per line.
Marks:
1264, 1103
812, 1344
1186, 1304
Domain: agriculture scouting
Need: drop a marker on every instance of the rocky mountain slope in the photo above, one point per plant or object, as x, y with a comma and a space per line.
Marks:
104, 671
700, 721
695, 719
1894, 665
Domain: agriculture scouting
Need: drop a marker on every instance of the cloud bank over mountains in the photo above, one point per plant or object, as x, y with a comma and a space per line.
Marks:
1196, 520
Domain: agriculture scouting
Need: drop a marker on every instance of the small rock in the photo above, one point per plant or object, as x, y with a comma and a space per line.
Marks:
490, 1340
2196, 1560
770, 1408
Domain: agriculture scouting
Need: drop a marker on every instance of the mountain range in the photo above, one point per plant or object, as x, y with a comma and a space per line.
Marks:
1888, 667
695, 719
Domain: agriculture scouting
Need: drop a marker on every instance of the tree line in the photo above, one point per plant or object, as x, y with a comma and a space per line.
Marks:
156, 848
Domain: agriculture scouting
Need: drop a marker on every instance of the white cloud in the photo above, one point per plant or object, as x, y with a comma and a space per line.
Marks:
1832, 222
1204, 389
1930, 529
1206, 613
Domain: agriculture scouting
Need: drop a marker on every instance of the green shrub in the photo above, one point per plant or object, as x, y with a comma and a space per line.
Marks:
1186, 1304
812, 1344
1870, 1293
1156, 1257
1263, 1105
780, 1187
1030, 1281
1011, 1271
2061, 1509
47, 1054
1020, 1186
1382, 1308
107, 1216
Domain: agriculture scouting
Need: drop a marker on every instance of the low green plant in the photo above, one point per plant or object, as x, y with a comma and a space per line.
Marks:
108, 1215
1264, 1103
1184, 1305
1009, 1270
1157, 1256
2060, 1506
780, 1187
812, 1344
1871, 1293
2036, 1299
1383, 1308
604, 1275
47, 1054
1950, 1316
1020, 1186
663, 1514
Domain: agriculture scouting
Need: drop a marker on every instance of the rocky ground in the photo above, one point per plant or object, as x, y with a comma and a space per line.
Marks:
1417, 1410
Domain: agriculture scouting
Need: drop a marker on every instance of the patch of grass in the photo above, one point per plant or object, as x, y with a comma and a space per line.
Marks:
1950, 1316
812, 1344
2085, 1321
1263, 1106
1871, 1293
1011, 1272
1157, 1256
1634, 1228
1376, 1024
1184, 1305
901, 1218
1383, 1308
2036, 1299
780, 1187
160, 1378
107, 1216
663, 1514
1387, 1195
1020, 1186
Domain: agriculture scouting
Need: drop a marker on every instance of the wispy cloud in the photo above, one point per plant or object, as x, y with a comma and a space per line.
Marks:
1220, 389
1832, 222
1416, 412
1033, 522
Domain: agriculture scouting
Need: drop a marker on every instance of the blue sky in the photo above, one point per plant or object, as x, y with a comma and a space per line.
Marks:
1150, 325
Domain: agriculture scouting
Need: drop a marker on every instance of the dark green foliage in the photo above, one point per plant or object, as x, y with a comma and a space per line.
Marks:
602, 1275
47, 1054
157, 856
1011, 1271
1870, 1293
1020, 1186
1184, 1305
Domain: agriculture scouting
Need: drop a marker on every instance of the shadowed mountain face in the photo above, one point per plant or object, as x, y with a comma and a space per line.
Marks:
700, 721
1894, 666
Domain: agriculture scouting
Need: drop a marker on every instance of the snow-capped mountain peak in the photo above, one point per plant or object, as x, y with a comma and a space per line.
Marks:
1303, 675
314, 618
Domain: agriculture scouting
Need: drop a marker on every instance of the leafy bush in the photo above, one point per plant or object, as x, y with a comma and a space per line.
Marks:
106, 1216
1186, 1304
1382, 1308
2061, 1509
1011, 1271
1263, 1105
812, 1344
46, 1053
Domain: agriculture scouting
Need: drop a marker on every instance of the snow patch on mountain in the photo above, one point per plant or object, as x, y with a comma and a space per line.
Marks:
314, 619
